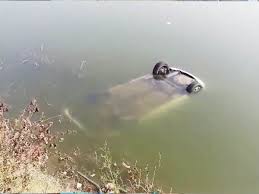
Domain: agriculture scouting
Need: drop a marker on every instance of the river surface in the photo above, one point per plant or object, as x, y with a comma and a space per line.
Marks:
68, 54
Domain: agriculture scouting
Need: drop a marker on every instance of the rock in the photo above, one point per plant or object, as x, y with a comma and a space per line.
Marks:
79, 185
61, 139
16, 135
110, 186
61, 159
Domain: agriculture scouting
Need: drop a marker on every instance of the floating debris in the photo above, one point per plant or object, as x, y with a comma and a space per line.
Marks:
82, 69
83, 65
2, 64
36, 57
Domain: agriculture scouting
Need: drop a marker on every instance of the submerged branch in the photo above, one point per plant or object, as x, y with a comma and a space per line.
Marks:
90, 180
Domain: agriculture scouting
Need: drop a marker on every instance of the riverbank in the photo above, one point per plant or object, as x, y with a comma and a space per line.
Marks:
24, 152
28, 147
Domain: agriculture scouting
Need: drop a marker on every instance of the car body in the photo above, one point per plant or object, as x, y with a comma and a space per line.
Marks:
151, 94
173, 69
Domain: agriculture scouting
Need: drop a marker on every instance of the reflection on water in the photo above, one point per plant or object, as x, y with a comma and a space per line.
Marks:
69, 55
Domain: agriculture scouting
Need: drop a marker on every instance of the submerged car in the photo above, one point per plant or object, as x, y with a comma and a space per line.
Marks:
152, 93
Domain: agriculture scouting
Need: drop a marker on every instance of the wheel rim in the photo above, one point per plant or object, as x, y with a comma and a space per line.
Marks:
162, 71
197, 88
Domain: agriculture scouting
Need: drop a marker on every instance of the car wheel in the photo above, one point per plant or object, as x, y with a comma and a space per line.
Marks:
161, 69
194, 87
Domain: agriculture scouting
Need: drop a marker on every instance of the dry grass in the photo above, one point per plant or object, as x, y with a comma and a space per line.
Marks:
124, 177
25, 148
31, 180
23, 151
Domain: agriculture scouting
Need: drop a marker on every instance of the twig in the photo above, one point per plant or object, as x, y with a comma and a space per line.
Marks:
123, 190
49, 118
91, 181
47, 102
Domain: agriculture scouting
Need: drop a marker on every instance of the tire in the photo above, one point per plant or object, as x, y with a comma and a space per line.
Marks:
194, 87
161, 69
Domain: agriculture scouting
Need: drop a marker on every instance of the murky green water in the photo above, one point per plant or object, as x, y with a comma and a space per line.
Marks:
209, 143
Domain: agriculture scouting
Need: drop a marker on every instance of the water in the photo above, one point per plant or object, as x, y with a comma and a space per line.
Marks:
209, 143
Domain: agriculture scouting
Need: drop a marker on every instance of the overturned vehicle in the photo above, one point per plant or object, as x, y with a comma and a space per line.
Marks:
139, 99
152, 93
